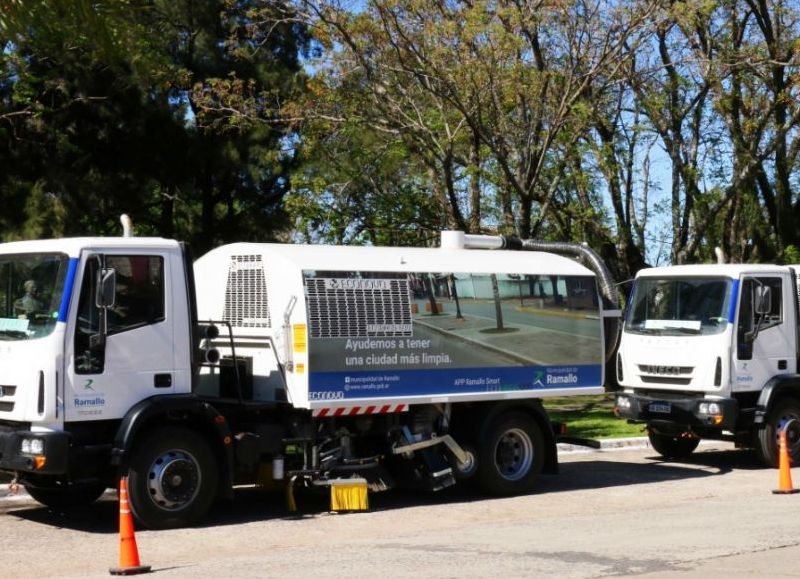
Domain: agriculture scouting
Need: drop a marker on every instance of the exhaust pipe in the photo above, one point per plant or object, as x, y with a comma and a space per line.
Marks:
127, 225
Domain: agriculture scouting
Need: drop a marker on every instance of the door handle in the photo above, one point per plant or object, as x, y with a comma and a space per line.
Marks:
162, 380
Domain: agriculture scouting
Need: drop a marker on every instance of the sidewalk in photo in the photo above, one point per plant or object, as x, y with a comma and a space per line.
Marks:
519, 341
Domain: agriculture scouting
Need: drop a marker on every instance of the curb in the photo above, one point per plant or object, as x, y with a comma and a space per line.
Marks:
607, 444
617, 444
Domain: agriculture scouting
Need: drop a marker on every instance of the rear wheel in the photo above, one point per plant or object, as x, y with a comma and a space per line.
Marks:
68, 495
510, 455
173, 479
779, 417
672, 446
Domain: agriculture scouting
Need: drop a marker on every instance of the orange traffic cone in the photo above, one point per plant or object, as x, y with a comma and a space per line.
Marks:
785, 472
128, 552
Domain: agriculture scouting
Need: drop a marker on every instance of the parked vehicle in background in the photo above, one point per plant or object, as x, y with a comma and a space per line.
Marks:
711, 351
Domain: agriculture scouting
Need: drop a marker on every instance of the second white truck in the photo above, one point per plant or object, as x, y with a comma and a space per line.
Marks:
711, 351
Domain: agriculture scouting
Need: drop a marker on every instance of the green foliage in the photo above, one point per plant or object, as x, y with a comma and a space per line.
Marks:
99, 117
226, 120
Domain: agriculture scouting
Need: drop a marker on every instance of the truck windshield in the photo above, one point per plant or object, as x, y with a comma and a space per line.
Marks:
30, 294
679, 306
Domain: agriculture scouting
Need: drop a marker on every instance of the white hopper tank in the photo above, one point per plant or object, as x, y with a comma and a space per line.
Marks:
375, 326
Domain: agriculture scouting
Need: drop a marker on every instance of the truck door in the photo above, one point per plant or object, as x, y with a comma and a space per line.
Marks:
122, 353
764, 336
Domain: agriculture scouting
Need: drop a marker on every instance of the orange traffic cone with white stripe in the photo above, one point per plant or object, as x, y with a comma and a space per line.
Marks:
128, 552
785, 471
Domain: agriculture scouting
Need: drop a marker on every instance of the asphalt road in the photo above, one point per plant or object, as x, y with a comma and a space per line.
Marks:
609, 513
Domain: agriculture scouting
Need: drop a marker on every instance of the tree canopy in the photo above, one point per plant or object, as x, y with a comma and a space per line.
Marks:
653, 131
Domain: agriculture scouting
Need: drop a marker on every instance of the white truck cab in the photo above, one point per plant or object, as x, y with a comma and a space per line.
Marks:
711, 351
66, 356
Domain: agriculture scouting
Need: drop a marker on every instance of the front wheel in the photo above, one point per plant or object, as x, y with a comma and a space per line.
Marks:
173, 479
768, 435
510, 455
675, 447
67, 496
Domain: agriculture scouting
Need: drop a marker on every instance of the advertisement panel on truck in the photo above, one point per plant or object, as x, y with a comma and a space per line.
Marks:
379, 334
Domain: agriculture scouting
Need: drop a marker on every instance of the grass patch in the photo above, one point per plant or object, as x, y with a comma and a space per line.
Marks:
590, 417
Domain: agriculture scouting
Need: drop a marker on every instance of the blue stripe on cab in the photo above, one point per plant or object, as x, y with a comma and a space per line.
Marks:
734, 299
72, 267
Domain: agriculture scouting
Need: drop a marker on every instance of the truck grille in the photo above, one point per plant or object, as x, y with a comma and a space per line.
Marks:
663, 374
662, 370
7, 392
358, 307
666, 380
246, 300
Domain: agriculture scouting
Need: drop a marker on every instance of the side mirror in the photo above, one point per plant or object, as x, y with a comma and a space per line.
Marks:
106, 288
763, 300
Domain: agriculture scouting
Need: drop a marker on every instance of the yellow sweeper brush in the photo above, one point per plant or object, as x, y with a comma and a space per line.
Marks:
349, 494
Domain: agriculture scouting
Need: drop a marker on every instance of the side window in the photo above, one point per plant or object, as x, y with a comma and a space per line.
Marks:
746, 321
140, 292
88, 360
749, 320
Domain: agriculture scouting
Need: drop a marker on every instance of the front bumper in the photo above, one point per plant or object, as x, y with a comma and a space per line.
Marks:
52, 460
678, 412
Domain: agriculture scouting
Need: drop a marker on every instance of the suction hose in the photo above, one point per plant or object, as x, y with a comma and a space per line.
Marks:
612, 325
589, 258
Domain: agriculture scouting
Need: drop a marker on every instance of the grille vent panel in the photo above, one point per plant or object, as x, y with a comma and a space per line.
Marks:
246, 299
358, 307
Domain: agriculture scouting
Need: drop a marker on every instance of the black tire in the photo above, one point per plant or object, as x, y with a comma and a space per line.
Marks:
173, 479
768, 434
674, 447
67, 496
510, 455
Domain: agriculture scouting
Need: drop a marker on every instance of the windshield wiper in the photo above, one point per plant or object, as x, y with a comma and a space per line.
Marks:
683, 329
13, 333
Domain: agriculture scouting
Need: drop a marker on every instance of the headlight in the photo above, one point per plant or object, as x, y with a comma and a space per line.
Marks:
32, 446
709, 408
623, 402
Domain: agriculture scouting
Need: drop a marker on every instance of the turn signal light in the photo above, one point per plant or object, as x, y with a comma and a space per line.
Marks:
38, 462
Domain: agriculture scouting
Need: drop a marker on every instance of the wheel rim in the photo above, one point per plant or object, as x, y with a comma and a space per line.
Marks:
514, 454
174, 480
792, 433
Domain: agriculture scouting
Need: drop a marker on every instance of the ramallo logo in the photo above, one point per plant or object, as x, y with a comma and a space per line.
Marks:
568, 378
95, 402
555, 377
88, 384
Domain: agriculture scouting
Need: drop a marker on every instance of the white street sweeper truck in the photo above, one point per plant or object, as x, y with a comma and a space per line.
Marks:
305, 365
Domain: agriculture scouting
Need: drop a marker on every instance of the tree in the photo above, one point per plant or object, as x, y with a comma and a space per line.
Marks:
102, 104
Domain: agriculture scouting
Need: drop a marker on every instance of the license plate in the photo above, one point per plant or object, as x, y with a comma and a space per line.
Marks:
660, 407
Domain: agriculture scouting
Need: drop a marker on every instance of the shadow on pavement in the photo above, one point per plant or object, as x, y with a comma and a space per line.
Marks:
253, 505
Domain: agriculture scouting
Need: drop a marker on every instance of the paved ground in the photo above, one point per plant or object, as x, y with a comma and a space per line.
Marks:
609, 513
